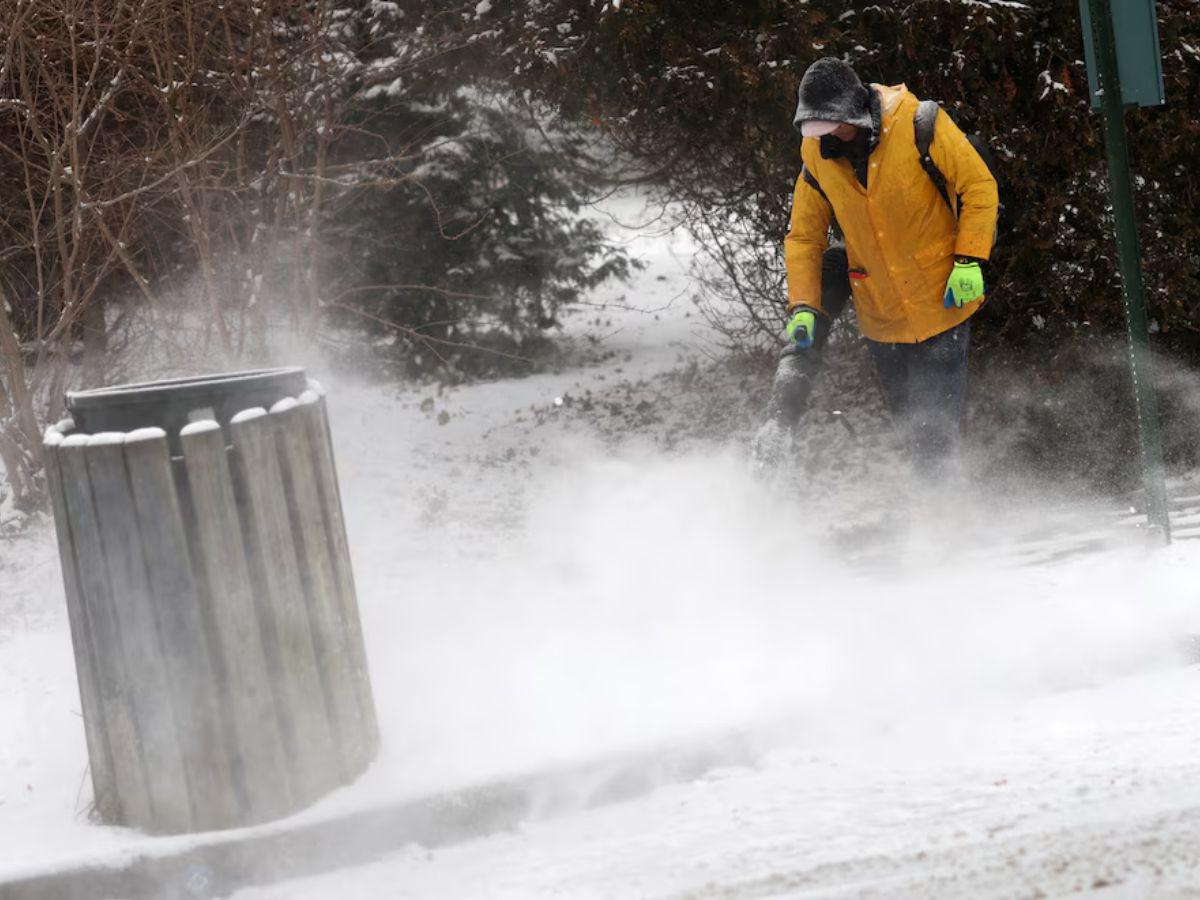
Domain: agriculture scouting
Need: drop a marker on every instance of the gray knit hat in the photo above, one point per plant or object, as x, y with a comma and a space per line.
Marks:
830, 92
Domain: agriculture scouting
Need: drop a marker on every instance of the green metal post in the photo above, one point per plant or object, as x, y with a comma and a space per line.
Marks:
1121, 190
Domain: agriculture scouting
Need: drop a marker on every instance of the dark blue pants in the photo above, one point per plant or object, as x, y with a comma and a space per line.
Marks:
925, 389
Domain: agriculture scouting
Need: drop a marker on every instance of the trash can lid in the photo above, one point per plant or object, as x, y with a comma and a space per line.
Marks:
173, 403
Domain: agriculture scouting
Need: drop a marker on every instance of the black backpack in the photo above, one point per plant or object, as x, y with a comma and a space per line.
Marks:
924, 121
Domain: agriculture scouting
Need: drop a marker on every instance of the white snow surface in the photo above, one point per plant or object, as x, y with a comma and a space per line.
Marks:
247, 415
200, 426
145, 434
106, 439
944, 724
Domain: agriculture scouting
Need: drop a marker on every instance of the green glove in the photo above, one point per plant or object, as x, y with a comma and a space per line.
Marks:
965, 284
802, 327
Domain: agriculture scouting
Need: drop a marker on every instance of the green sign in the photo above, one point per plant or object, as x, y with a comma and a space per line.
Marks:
1139, 59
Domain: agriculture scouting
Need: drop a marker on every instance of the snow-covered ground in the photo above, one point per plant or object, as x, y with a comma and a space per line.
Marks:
1091, 790
542, 582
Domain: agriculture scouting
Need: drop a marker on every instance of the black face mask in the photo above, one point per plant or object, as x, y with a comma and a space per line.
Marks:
835, 148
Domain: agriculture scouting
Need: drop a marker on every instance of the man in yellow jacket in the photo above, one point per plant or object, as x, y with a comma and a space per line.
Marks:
915, 252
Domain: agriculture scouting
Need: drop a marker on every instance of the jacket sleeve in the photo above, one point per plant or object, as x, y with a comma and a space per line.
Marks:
969, 178
807, 239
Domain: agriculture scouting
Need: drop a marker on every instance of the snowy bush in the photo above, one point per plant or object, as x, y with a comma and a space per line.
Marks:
194, 175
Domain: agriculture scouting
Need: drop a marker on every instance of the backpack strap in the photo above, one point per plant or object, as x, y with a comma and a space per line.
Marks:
924, 122
812, 182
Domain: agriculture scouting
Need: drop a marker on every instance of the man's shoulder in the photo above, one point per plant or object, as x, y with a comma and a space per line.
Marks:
895, 99
911, 103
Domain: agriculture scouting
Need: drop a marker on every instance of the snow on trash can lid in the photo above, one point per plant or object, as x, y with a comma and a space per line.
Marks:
172, 404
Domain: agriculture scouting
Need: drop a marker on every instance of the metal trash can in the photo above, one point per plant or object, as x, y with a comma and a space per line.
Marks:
212, 606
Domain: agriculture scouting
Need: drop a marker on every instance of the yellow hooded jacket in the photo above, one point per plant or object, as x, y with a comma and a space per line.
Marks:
898, 229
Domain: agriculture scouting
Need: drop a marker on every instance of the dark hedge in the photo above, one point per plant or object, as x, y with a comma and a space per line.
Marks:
702, 91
